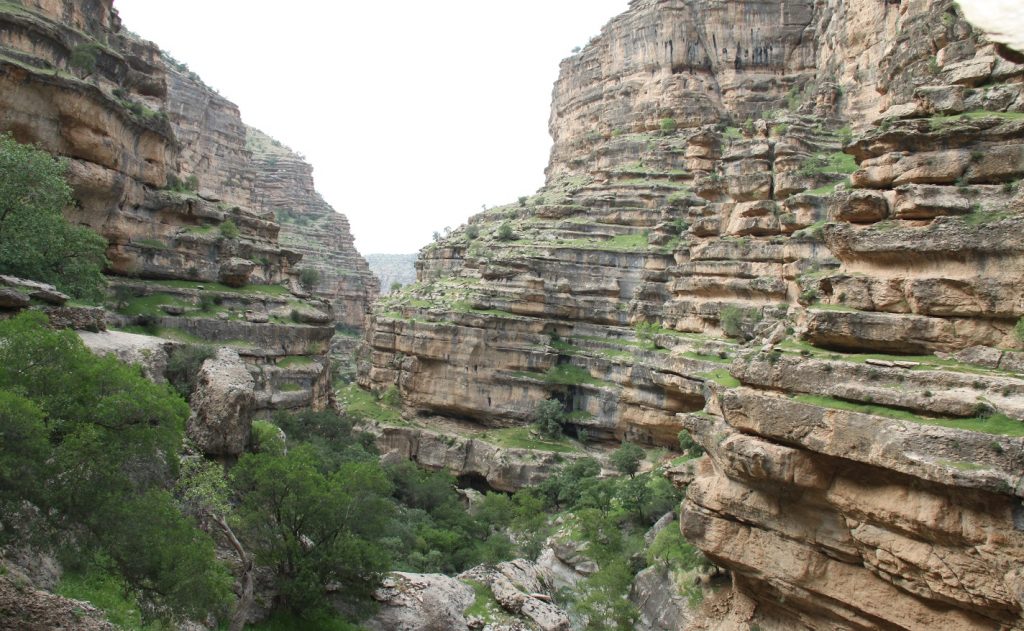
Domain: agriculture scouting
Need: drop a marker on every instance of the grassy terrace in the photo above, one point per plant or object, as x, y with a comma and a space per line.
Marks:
998, 424
925, 362
266, 290
525, 438
362, 404
937, 122
565, 375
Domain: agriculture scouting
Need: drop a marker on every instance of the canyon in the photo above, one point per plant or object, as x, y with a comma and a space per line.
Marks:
790, 232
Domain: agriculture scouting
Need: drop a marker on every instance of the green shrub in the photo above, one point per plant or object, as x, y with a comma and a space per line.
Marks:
627, 458
309, 278
266, 437
668, 125
228, 229
36, 241
738, 321
183, 366
505, 232
549, 417
472, 232
83, 58
688, 444
1018, 330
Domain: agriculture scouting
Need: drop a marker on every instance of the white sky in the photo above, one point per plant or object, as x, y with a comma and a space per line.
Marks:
412, 113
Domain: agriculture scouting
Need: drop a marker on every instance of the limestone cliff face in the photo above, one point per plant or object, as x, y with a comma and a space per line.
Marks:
792, 229
283, 185
159, 165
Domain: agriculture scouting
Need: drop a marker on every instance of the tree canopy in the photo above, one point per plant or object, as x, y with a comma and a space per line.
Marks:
36, 241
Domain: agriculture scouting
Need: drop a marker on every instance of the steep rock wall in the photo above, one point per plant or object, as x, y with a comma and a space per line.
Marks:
159, 166
809, 260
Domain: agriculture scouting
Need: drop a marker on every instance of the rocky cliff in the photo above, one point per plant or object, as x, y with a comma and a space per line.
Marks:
793, 230
160, 166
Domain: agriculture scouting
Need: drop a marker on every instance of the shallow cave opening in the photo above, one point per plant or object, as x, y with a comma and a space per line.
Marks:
474, 481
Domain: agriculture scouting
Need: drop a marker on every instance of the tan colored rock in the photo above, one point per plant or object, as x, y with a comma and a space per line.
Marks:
222, 406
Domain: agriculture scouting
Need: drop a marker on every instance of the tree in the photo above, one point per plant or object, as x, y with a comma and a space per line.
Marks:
309, 278
92, 445
627, 459
83, 58
36, 241
505, 232
396, 287
313, 528
549, 418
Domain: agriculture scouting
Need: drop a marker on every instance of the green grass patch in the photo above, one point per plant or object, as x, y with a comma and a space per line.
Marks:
523, 438
295, 360
937, 122
569, 375
287, 621
153, 244
963, 465
268, 290
707, 358
835, 162
722, 377
150, 305
998, 424
289, 387
362, 404
107, 593
828, 189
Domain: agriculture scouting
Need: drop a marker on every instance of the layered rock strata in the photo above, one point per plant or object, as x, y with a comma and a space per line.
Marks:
160, 167
791, 229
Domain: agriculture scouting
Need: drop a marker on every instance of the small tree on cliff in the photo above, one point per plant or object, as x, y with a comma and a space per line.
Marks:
627, 459
36, 241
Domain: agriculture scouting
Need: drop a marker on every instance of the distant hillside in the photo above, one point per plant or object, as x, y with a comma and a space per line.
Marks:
391, 268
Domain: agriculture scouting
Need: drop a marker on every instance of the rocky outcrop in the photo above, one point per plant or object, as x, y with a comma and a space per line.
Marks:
283, 185
421, 602
24, 607
222, 404
160, 167
798, 240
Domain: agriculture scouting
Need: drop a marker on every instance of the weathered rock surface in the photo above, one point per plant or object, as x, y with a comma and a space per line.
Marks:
799, 240
421, 602
222, 405
26, 608
160, 167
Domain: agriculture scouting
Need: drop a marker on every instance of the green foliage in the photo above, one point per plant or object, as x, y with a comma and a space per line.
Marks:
183, 366
671, 549
312, 526
83, 58
266, 437
107, 592
289, 621
688, 444
104, 442
35, 240
308, 277
669, 125
472, 232
549, 417
228, 229
738, 321
1018, 330
505, 232
626, 459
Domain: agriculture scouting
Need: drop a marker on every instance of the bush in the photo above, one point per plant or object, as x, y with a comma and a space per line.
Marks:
688, 444
1019, 330
228, 229
668, 125
505, 232
35, 240
472, 232
738, 322
94, 445
183, 366
626, 459
309, 278
549, 417
83, 58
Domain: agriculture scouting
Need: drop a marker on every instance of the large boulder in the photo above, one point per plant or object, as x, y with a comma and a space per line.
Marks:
222, 405
421, 602
148, 352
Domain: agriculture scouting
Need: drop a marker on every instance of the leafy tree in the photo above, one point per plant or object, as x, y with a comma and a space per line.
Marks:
93, 445
83, 58
313, 528
472, 232
309, 277
626, 459
183, 366
688, 444
229, 229
396, 286
505, 232
550, 417
36, 241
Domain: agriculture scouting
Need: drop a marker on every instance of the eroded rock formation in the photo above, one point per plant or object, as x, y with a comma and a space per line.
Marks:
160, 167
792, 229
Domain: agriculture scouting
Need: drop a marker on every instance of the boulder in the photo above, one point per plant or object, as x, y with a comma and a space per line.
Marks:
222, 403
235, 272
13, 299
421, 602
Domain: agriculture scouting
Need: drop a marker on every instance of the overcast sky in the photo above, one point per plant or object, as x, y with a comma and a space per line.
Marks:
413, 113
